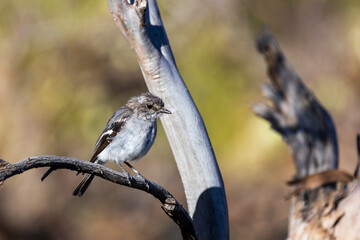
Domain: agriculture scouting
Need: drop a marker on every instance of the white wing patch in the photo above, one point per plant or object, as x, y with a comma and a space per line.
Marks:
104, 134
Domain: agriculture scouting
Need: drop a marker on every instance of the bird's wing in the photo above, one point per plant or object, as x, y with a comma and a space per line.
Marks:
112, 129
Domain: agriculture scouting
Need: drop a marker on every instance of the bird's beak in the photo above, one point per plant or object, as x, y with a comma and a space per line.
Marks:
164, 110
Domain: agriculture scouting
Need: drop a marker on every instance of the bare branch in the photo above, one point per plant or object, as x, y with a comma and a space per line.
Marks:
169, 204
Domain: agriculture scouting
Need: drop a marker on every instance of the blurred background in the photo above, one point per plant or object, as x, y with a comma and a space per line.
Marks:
65, 68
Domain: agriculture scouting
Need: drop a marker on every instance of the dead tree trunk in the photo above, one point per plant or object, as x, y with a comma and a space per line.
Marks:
325, 203
141, 25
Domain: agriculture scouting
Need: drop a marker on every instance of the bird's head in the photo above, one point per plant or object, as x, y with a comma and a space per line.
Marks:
148, 106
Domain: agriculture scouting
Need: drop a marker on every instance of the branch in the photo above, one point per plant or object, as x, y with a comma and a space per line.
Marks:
326, 203
169, 204
142, 27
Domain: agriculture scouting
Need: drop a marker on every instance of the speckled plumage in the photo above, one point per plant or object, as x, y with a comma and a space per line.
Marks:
128, 135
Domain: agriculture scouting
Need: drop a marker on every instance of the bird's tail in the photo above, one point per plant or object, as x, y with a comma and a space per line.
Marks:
84, 184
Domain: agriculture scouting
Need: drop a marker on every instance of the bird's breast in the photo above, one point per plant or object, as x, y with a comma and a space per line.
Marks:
133, 141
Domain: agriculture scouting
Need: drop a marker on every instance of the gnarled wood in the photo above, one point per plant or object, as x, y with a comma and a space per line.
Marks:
324, 205
296, 114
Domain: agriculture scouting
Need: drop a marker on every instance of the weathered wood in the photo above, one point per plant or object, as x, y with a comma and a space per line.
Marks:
296, 114
323, 206
141, 25
169, 204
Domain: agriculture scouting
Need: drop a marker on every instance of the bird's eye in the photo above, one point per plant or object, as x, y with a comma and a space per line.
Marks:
149, 106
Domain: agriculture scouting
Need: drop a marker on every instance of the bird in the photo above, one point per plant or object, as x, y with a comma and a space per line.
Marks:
127, 136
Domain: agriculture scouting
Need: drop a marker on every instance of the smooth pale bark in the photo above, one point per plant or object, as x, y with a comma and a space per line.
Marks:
141, 25
325, 204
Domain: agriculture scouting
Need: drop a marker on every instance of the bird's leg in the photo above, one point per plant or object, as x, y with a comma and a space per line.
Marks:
124, 171
138, 174
135, 171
